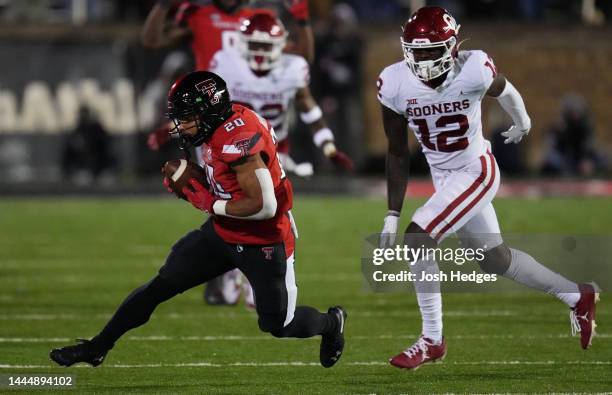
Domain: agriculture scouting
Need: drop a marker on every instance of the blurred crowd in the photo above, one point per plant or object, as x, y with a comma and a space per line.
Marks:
81, 11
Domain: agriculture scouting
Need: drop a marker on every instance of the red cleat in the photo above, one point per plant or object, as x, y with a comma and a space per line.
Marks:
421, 352
582, 316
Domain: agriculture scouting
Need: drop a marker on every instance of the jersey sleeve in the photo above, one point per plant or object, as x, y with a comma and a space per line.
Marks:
483, 70
388, 90
298, 71
241, 145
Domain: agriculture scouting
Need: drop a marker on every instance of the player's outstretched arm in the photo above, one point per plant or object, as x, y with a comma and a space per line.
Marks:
322, 136
304, 43
397, 168
158, 32
512, 102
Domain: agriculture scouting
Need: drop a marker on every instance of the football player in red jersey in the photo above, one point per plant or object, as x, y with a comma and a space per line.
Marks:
210, 28
250, 227
436, 91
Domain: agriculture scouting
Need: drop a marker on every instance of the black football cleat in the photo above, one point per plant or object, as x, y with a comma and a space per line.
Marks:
332, 344
83, 351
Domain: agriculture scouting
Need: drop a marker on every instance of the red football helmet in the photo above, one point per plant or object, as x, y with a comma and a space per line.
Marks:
262, 39
430, 29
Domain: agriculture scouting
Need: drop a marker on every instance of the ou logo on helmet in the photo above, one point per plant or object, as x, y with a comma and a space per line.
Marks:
451, 24
210, 88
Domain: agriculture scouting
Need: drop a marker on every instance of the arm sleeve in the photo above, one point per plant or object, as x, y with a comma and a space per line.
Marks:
512, 102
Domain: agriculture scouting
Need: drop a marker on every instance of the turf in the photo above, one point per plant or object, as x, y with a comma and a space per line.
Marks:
66, 264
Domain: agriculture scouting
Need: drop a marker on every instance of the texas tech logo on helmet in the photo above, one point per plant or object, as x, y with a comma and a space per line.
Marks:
209, 87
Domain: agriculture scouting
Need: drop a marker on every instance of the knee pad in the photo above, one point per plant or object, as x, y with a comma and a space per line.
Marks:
496, 260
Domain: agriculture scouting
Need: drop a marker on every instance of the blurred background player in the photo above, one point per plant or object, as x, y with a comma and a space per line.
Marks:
571, 149
86, 152
437, 91
261, 77
250, 227
210, 28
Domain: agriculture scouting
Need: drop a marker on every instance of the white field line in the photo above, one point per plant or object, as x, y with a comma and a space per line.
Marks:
308, 364
266, 337
249, 314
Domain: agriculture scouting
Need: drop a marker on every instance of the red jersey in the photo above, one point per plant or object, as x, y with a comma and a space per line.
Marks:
212, 29
246, 133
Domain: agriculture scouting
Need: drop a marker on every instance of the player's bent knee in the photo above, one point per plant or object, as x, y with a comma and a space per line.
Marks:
496, 260
416, 237
273, 325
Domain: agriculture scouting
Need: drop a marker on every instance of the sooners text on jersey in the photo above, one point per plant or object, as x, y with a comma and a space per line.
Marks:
446, 120
246, 133
269, 95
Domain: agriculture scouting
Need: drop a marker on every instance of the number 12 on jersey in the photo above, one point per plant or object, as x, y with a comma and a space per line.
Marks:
440, 142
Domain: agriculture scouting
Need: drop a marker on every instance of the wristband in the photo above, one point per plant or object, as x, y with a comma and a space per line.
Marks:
219, 207
311, 116
329, 149
322, 135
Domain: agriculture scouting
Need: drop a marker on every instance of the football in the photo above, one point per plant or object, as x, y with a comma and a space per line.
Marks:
180, 171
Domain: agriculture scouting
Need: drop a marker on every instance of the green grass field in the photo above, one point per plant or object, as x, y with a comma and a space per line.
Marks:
66, 264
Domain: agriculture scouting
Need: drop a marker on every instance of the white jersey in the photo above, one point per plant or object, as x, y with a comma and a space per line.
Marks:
269, 95
446, 120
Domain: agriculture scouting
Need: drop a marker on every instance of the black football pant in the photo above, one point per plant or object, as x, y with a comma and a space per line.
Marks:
202, 255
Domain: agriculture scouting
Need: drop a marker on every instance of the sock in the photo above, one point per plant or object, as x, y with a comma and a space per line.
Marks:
527, 271
134, 311
308, 322
429, 299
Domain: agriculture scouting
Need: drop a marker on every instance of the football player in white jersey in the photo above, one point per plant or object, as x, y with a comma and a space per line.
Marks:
437, 91
261, 77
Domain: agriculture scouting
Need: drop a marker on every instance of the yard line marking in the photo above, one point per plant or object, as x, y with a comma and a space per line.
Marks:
306, 364
267, 337
249, 314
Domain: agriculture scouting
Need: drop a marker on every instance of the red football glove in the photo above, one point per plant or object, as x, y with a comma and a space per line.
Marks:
298, 8
342, 160
167, 185
158, 137
200, 197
